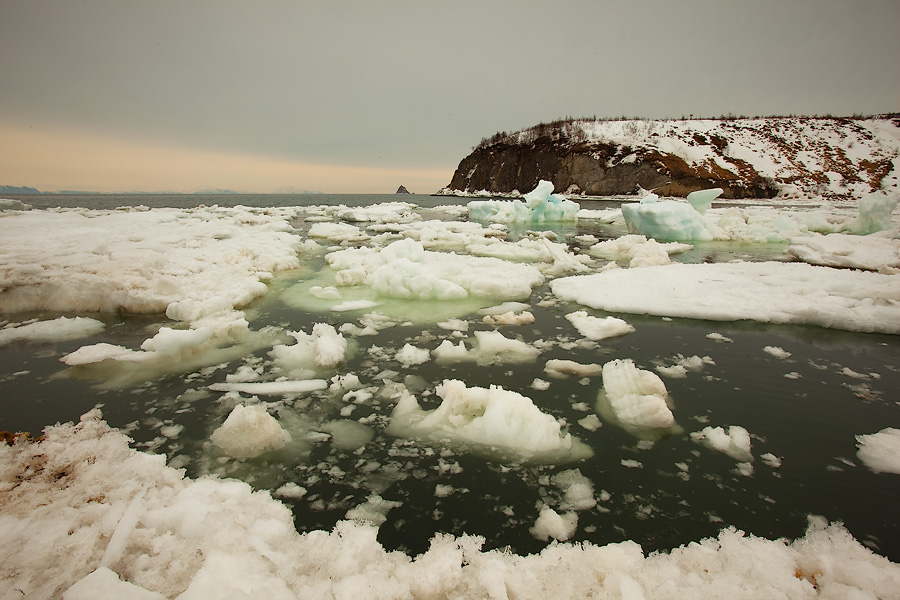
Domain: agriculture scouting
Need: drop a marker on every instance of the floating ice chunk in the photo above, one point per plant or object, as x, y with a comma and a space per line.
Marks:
509, 318
591, 422
735, 442
347, 434
271, 388
670, 220
596, 328
53, 330
683, 364
290, 490
494, 420
777, 352
551, 524
880, 451
250, 431
872, 252
874, 213
771, 292
635, 399
338, 232
630, 463
454, 325
504, 308
374, 510
560, 368
12, 204
491, 347
578, 491
385, 212
409, 355
539, 206
718, 337
324, 347
172, 341
771, 460
702, 200
637, 250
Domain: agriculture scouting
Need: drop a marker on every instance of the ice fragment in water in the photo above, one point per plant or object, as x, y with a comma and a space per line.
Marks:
735, 442
539, 206
493, 420
635, 399
250, 431
880, 451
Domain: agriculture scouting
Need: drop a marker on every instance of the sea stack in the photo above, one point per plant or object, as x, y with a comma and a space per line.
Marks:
402, 190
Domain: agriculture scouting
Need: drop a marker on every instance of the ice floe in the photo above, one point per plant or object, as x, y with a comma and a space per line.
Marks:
880, 451
635, 399
493, 420
771, 292
539, 206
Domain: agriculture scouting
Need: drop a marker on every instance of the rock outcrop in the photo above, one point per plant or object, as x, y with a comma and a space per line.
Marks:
402, 190
747, 158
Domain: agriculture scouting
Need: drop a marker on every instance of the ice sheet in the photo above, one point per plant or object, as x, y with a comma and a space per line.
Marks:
771, 292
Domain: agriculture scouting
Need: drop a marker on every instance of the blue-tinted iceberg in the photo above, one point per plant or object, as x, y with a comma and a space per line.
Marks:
540, 205
671, 220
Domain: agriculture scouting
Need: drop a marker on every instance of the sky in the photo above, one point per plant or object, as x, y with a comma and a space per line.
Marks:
361, 97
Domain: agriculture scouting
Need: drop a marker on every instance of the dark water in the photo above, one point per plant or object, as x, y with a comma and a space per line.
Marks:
808, 419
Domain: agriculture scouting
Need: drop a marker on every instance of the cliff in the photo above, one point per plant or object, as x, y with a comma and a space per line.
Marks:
839, 158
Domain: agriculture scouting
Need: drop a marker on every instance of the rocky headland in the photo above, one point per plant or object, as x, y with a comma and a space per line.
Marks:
835, 158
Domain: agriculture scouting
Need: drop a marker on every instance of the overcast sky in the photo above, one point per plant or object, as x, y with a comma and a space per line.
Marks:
364, 96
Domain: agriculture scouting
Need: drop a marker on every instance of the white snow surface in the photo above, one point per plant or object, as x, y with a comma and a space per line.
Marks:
770, 292
126, 525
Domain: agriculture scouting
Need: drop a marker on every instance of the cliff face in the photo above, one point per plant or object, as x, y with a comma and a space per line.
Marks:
748, 158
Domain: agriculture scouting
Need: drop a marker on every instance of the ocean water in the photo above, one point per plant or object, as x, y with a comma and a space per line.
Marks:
805, 409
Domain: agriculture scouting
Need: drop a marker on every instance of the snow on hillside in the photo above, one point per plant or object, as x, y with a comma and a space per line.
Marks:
791, 157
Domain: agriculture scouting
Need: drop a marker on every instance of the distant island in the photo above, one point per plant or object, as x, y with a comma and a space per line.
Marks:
762, 157
402, 190
13, 189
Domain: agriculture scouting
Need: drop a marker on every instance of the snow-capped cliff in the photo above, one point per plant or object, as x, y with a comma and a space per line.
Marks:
837, 158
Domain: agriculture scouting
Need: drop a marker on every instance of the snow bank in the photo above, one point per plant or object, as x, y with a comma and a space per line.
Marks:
880, 451
53, 330
540, 205
635, 399
771, 292
83, 507
495, 421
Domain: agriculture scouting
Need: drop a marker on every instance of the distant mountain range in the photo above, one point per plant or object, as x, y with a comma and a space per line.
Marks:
12, 189
839, 158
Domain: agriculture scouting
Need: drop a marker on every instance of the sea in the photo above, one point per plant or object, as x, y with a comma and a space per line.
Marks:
805, 410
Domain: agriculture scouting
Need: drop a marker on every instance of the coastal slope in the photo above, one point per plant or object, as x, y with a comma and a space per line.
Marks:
835, 158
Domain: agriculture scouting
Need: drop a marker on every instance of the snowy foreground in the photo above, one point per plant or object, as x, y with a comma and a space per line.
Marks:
86, 516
